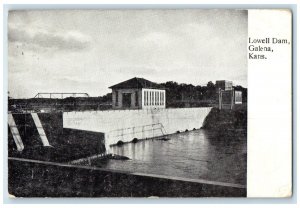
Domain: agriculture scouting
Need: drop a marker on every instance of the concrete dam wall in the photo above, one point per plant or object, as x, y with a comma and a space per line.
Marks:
125, 125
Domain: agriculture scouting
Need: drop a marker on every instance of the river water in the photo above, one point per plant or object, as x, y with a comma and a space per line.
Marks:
199, 154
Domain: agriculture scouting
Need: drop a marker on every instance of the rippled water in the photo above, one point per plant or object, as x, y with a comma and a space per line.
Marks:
197, 154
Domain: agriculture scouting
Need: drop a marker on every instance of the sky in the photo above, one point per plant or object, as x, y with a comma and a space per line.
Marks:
90, 50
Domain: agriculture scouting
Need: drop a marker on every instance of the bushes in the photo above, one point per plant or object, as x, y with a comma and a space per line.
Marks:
226, 119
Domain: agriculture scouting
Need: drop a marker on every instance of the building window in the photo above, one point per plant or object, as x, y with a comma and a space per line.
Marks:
152, 98
117, 99
157, 98
160, 98
163, 98
136, 98
144, 97
147, 97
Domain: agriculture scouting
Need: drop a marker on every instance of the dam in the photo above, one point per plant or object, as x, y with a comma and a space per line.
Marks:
204, 162
126, 125
137, 142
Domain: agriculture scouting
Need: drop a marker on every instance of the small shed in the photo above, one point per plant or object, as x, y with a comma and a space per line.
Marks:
224, 85
227, 97
138, 93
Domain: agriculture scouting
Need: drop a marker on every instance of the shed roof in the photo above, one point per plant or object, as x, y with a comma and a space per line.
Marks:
136, 83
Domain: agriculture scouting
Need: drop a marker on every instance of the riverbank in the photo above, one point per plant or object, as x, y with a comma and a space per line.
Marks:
226, 120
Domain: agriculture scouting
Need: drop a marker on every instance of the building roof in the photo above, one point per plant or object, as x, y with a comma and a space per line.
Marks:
222, 81
136, 83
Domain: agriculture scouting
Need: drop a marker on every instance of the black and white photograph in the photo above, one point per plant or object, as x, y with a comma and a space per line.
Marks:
127, 103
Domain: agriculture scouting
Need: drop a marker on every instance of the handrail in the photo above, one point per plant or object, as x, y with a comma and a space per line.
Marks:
136, 127
142, 129
73, 94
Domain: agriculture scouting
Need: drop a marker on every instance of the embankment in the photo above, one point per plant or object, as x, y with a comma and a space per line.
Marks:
226, 120
66, 144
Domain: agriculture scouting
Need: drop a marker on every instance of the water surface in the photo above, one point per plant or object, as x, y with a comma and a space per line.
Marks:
199, 154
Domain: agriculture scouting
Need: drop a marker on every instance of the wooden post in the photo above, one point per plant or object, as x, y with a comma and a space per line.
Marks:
232, 99
220, 99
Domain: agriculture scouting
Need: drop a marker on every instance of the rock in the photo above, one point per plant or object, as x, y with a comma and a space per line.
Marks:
164, 139
135, 140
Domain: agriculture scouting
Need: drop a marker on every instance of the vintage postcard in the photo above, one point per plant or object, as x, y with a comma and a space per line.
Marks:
149, 103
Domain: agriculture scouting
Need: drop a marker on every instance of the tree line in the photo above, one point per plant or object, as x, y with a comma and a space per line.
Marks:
177, 95
189, 92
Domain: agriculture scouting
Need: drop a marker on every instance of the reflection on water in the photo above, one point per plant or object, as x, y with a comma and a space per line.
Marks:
197, 154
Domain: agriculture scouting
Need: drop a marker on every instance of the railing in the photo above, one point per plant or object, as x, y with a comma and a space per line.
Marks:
58, 107
139, 132
60, 95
